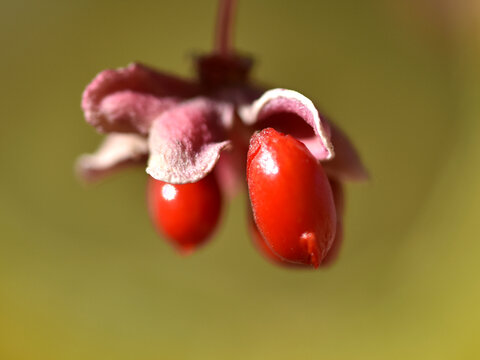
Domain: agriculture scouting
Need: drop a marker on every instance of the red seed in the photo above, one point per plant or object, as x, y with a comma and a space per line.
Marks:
338, 197
332, 254
186, 214
291, 198
263, 248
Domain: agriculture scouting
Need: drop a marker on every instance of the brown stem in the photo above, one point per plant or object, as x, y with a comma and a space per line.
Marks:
224, 31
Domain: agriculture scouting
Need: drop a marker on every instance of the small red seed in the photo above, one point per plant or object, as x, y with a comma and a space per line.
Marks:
291, 198
186, 214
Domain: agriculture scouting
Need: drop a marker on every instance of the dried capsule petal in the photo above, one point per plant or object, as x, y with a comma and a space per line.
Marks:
291, 198
128, 99
290, 112
185, 142
116, 152
346, 165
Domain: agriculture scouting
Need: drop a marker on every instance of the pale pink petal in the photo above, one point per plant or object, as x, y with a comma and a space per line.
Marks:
230, 170
185, 142
131, 111
346, 165
290, 112
231, 167
116, 152
128, 99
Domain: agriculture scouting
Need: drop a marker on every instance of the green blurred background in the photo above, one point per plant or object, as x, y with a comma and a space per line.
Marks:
84, 276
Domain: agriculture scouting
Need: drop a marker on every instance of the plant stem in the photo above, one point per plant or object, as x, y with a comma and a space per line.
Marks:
224, 30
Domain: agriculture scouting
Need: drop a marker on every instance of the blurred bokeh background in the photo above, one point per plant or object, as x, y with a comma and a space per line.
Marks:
84, 276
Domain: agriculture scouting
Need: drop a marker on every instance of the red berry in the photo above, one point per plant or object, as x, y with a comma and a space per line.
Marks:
186, 214
291, 198
333, 252
262, 246
338, 197
259, 242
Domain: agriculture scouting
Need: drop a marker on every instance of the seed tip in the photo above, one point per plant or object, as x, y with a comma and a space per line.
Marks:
308, 240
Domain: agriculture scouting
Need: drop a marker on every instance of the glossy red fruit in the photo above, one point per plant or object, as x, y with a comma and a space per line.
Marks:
338, 197
291, 198
332, 254
186, 214
263, 248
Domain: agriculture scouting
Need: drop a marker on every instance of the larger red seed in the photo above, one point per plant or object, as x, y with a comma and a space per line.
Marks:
291, 198
262, 247
338, 197
186, 214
